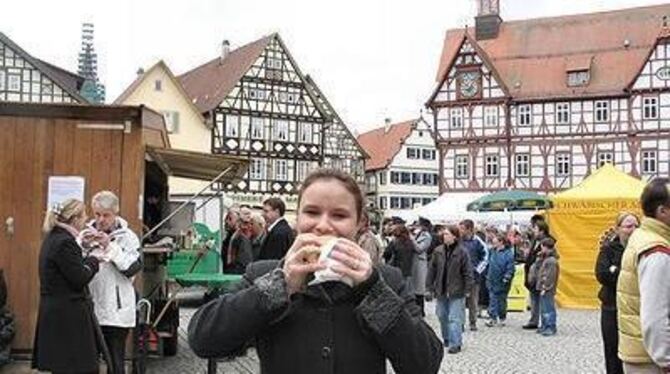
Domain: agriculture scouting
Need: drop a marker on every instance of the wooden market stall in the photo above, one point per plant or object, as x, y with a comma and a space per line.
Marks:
110, 147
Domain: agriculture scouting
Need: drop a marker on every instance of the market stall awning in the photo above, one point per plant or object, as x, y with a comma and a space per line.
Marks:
198, 165
510, 200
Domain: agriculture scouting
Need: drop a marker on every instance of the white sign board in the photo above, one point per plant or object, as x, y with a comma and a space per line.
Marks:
63, 188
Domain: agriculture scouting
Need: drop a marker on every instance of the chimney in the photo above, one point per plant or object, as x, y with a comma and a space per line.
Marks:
225, 50
140, 72
488, 21
387, 125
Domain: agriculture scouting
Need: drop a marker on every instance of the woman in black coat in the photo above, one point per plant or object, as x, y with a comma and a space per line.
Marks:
607, 273
65, 339
352, 323
400, 252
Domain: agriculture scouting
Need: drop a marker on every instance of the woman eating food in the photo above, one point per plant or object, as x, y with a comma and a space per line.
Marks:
324, 308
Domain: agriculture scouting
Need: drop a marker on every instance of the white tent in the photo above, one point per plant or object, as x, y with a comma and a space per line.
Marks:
452, 208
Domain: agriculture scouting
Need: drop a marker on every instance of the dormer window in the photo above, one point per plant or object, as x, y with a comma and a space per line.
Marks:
579, 78
578, 70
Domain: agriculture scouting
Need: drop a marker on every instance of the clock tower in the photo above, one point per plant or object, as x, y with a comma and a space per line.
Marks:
487, 22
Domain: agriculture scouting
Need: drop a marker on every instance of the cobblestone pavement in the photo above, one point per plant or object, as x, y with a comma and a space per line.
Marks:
575, 349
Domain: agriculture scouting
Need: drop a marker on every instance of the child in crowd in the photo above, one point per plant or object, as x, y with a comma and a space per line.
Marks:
499, 279
546, 271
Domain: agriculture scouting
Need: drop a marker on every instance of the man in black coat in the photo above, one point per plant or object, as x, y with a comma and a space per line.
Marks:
279, 237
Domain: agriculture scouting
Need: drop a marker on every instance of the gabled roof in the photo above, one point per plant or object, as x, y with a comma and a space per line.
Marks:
533, 56
68, 81
323, 101
141, 78
209, 84
382, 144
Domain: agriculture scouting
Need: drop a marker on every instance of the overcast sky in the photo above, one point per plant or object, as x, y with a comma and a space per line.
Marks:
372, 58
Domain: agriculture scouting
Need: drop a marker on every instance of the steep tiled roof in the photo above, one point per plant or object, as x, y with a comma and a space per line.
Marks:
321, 100
532, 56
208, 84
383, 144
70, 79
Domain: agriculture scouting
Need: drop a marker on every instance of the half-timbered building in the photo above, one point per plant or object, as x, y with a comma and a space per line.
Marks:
24, 78
539, 104
263, 107
401, 173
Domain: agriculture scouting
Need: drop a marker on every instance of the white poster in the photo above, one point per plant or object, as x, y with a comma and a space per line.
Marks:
62, 188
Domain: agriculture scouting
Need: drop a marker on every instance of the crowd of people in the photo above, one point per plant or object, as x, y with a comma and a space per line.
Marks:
374, 310
472, 268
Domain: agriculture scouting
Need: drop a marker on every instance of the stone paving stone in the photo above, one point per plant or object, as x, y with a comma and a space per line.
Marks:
577, 348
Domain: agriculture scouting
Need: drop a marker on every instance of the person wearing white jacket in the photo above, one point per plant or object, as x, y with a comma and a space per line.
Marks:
112, 287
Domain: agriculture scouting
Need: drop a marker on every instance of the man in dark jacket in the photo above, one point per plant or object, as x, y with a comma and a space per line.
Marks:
475, 249
450, 279
279, 237
230, 227
240, 251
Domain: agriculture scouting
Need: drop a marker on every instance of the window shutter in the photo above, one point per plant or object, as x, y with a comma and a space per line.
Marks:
175, 122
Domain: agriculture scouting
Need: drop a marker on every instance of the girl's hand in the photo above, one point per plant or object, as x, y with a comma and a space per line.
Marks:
355, 262
296, 268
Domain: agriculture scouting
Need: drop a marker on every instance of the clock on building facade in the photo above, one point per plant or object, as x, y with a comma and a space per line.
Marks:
469, 83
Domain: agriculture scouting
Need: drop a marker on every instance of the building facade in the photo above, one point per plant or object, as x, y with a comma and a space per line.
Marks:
402, 172
24, 78
262, 107
159, 89
535, 105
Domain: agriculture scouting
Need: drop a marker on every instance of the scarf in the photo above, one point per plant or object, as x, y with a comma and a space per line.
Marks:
70, 229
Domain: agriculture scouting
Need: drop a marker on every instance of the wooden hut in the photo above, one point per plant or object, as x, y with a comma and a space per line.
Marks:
108, 146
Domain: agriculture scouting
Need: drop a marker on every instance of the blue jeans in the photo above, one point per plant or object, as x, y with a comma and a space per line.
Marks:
548, 312
451, 313
534, 308
498, 304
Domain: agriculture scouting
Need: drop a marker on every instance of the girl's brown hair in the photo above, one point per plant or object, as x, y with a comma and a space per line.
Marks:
345, 179
453, 229
401, 231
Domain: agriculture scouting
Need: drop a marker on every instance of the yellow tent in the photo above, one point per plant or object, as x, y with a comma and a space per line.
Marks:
577, 221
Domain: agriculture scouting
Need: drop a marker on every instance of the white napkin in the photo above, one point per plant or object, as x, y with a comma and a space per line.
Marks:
327, 274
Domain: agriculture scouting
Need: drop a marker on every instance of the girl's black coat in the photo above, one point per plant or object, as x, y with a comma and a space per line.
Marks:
609, 258
65, 337
329, 328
